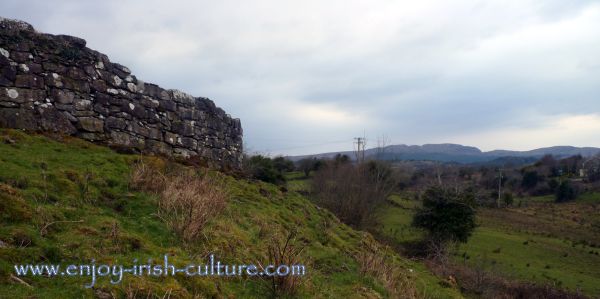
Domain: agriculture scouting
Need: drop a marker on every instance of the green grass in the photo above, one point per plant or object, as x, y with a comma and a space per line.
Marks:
69, 201
543, 198
590, 197
394, 221
541, 242
297, 181
533, 258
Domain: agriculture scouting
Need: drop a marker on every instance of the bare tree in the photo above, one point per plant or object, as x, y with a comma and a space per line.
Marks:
382, 142
352, 192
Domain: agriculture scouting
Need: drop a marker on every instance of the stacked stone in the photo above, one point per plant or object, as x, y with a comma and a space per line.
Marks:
55, 83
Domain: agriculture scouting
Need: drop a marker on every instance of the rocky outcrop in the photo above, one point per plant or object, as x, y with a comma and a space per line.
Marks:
55, 83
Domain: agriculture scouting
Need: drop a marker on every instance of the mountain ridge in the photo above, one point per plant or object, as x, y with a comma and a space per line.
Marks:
450, 152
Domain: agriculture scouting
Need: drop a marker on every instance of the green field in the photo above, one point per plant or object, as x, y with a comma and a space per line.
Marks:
68, 201
542, 242
296, 181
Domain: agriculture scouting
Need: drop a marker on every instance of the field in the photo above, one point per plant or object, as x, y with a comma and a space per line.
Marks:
541, 241
68, 201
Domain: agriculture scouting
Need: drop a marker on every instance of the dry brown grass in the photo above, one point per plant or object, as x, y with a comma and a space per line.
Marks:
148, 175
373, 261
187, 203
187, 200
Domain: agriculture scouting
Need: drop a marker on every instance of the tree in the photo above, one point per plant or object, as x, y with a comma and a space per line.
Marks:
446, 217
590, 168
530, 179
553, 184
306, 165
353, 192
319, 164
341, 159
282, 164
565, 192
548, 166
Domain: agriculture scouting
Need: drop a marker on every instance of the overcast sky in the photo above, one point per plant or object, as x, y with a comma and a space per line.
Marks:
308, 76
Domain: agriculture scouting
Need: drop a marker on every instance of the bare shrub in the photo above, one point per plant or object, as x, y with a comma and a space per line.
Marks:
188, 202
352, 192
284, 251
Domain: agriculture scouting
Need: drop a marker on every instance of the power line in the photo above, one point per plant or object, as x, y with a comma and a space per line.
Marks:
309, 145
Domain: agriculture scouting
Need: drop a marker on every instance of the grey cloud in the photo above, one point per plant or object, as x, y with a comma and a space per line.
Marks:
418, 71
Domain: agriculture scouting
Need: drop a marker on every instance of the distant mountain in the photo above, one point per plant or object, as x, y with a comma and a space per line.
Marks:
562, 151
448, 152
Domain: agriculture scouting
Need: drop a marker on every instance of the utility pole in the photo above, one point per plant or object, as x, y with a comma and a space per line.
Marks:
360, 149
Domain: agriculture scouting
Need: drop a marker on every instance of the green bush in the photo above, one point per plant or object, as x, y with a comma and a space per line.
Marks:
282, 164
446, 216
263, 168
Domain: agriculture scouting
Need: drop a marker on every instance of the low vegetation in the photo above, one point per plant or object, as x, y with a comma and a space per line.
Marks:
188, 202
500, 232
537, 247
448, 216
187, 199
285, 251
535, 233
68, 201
352, 192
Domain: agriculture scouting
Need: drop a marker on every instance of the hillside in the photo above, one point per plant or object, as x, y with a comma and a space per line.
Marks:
67, 201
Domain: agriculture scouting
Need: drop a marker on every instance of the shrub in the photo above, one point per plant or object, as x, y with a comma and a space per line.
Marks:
263, 168
284, 251
353, 192
187, 203
446, 217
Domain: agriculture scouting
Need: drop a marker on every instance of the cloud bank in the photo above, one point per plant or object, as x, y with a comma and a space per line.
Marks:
307, 76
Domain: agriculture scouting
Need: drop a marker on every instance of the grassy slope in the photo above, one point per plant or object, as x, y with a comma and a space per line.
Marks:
43, 182
427, 283
541, 242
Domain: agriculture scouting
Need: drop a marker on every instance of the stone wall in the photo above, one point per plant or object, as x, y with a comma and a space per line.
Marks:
55, 83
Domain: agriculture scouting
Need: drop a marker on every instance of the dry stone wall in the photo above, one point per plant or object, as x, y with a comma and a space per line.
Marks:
55, 83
